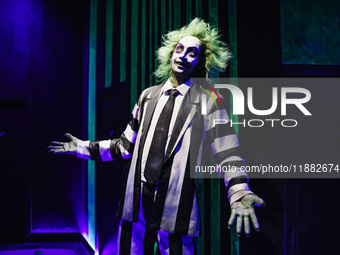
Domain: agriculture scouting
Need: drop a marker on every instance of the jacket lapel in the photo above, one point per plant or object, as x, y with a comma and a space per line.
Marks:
186, 114
151, 101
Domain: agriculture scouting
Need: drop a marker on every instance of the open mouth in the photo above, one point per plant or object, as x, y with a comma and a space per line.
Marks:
181, 64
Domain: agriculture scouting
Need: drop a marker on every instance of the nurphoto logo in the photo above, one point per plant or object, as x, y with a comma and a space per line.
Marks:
239, 105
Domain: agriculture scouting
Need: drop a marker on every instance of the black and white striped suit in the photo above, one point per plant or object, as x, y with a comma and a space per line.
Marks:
175, 208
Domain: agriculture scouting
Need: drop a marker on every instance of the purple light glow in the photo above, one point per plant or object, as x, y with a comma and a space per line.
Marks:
110, 247
86, 237
43, 251
54, 230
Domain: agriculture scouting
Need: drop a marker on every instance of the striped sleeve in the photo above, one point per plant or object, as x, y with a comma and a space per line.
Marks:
224, 144
108, 150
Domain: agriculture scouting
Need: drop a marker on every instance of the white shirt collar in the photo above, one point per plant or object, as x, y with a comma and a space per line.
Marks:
182, 89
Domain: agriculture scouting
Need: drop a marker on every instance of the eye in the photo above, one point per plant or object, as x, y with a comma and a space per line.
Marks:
179, 48
193, 53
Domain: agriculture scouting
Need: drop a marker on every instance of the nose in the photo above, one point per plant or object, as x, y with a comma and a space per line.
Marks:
183, 57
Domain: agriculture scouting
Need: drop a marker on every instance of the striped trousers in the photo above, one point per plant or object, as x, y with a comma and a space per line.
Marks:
137, 238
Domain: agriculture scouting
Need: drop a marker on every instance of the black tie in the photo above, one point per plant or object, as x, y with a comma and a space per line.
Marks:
156, 154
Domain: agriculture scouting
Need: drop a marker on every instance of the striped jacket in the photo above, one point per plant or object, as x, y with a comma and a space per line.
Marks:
176, 203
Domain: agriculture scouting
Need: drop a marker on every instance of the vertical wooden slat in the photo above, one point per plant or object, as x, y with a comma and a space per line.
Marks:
213, 20
200, 241
215, 219
234, 239
201, 238
199, 13
170, 8
213, 12
151, 48
177, 14
233, 48
155, 25
123, 41
92, 120
108, 43
188, 11
215, 194
134, 53
143, 45
155, 33
163, 8
92, 70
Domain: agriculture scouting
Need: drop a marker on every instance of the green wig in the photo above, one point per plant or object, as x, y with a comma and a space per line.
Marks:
214, 54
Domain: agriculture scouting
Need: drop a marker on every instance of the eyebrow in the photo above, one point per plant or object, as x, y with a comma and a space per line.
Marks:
191, 47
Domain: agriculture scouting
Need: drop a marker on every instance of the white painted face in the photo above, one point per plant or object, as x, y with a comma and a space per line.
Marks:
185, 56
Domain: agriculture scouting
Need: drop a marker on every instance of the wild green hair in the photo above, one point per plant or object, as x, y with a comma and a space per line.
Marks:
214, 53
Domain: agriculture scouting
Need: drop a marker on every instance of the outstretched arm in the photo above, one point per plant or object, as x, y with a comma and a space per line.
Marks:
64, 147
227, 153
105, 150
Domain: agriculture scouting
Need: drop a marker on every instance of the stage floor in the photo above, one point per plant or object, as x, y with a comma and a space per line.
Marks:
64, 248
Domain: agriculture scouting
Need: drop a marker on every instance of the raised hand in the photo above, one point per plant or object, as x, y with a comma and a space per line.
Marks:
242, 210
64, 147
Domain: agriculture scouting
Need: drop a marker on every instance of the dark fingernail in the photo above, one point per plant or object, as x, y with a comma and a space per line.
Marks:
257, 229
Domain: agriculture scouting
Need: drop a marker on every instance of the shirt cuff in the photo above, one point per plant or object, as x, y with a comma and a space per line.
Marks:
233, 190
238, 195
83, 149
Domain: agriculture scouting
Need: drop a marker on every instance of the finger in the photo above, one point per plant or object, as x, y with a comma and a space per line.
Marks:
239, 225
70, 137
259, 202
254, 220
58, 151
231, 218
57, 143
246, 225
55, 147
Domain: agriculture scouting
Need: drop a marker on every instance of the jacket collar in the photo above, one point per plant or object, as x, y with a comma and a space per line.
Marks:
186, 113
